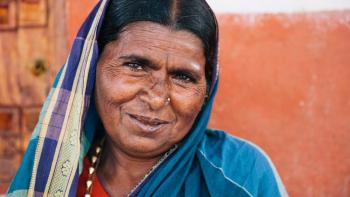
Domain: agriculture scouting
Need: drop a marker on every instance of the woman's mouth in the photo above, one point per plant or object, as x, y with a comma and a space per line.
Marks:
148, 124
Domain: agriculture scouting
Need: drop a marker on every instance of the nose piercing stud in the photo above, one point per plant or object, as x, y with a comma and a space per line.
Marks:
167, 100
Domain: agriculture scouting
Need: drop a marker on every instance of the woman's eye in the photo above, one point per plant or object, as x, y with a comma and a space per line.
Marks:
185, 78
135, 66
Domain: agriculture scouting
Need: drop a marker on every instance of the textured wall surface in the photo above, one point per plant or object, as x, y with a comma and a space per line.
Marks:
285, 85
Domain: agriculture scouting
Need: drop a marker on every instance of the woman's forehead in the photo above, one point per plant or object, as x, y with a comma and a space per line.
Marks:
158, 42
155, 33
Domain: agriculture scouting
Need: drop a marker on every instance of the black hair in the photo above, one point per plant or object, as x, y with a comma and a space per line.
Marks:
194, 16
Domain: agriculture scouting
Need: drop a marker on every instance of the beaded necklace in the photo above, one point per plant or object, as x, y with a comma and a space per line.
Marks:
95, 160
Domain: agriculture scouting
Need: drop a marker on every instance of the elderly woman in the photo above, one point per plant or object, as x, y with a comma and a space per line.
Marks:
128, 111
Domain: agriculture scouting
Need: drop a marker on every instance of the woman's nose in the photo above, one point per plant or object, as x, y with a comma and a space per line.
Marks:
157, 95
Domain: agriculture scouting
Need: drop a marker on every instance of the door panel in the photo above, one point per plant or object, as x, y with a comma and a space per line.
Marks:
33, 45
10, 144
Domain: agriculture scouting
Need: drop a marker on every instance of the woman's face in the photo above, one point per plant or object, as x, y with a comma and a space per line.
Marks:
136, 74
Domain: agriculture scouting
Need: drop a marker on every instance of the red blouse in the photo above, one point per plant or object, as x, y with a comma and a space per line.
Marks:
97, 188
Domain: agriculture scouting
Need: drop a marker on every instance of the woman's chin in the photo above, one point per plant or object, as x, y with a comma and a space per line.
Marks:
142, 147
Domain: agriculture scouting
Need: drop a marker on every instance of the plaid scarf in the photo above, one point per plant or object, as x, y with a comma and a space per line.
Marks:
60, 139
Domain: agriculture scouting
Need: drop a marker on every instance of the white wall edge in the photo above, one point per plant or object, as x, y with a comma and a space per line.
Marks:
277, 6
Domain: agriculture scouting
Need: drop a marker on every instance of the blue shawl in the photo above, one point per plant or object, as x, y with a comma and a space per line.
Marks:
206, 162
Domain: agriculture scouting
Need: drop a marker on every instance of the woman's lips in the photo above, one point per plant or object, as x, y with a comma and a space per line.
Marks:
148, 124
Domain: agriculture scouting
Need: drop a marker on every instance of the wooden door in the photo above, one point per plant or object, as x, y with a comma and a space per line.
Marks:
33, 45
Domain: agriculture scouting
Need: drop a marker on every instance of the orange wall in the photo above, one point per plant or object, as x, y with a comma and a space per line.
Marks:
285, 85
76, 12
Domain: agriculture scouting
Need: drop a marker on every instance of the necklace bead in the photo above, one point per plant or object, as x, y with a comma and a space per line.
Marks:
91, 170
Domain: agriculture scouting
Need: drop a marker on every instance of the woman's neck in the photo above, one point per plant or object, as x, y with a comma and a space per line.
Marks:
119, 172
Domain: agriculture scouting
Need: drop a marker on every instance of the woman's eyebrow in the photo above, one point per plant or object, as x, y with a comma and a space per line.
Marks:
138, 59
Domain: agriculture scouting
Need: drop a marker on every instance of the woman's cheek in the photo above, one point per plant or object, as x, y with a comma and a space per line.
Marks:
187, 104
188, 100
123, 89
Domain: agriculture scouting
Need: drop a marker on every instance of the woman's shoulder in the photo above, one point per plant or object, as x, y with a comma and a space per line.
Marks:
219, 145
242, 163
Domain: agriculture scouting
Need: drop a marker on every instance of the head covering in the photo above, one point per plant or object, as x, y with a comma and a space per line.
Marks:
67, 124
